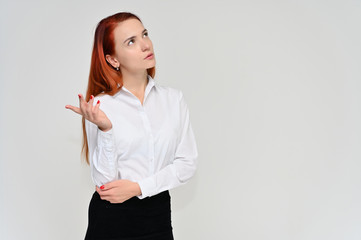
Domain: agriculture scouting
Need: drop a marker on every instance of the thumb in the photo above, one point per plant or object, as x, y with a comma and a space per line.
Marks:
74, 109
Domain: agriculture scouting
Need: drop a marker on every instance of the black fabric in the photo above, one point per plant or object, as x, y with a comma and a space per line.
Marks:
134, 219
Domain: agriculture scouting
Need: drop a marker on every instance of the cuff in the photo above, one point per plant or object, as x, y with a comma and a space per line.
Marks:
105, 139
146, 185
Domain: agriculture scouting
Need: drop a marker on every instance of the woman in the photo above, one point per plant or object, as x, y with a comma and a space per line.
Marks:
138, 138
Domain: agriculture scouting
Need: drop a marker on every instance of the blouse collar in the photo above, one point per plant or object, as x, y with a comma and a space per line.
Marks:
150, 85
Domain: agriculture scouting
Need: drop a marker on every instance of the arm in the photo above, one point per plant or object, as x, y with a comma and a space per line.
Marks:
183, 166
102, 154
100, 139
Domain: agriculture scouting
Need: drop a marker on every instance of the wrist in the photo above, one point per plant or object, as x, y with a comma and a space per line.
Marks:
104, 129
105, 126
136, 189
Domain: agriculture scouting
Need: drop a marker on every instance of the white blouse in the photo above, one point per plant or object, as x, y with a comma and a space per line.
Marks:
152, 144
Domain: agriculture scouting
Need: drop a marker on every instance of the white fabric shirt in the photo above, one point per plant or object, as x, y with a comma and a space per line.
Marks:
152, 144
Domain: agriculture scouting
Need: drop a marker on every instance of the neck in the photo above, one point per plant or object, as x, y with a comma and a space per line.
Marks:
135, 82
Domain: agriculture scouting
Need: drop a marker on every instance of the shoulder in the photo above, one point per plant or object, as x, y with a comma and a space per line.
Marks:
169, 92
106, 102
103, 98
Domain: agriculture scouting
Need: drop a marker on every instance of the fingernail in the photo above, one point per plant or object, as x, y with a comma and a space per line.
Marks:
91, 97
98, 102
79, 95
102, 187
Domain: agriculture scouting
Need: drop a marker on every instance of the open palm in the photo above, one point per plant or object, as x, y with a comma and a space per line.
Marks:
92, 113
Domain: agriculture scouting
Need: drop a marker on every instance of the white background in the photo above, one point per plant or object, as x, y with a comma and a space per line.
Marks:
273, 89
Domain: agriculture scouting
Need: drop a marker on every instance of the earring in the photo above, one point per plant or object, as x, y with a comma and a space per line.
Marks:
117, 69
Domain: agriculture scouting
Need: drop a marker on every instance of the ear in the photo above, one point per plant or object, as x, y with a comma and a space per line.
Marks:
113, 61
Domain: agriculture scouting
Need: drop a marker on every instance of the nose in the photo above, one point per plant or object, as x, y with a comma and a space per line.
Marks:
145, 45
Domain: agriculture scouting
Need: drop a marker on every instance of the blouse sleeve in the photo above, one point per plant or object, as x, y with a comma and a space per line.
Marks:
102, 154
184, 164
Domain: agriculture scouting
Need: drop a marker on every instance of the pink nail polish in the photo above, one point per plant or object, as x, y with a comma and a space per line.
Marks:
98, 102
79, 95
91, 97
102, 187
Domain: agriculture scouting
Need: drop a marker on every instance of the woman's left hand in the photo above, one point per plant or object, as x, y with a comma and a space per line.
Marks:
119, 191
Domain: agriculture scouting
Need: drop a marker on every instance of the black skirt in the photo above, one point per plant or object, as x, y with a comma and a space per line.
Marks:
134, 219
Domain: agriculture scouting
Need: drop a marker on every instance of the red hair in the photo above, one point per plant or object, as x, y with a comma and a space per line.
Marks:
103, 77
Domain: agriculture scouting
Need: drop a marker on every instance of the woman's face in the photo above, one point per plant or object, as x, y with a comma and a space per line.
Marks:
132, 46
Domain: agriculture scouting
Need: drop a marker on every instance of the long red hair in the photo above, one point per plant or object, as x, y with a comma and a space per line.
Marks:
103, 77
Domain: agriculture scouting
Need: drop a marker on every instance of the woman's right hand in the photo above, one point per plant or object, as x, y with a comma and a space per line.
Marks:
92, 113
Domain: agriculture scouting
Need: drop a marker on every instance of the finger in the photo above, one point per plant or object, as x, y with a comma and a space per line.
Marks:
91, 100
92, 107
105, 197
80, 96
74, 109
80, 102
96, 107
99, 190
85, 108
117, 200
108, 186
106, 194
89, 107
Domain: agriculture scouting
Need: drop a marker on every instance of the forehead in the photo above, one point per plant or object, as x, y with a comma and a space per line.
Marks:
127, 28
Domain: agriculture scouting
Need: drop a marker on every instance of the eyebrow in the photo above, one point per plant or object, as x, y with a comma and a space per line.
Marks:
134, 36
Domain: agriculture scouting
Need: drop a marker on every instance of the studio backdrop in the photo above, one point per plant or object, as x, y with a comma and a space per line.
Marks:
273, 89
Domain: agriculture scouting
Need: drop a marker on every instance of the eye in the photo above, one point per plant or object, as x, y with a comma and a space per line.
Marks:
145, 34
130, 42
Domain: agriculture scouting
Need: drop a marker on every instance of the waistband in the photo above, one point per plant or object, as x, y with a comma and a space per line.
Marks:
153, 201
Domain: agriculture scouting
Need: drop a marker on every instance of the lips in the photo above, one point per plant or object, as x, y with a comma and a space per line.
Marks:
149, 55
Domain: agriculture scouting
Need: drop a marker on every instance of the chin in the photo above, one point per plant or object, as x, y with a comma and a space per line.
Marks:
151, 65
